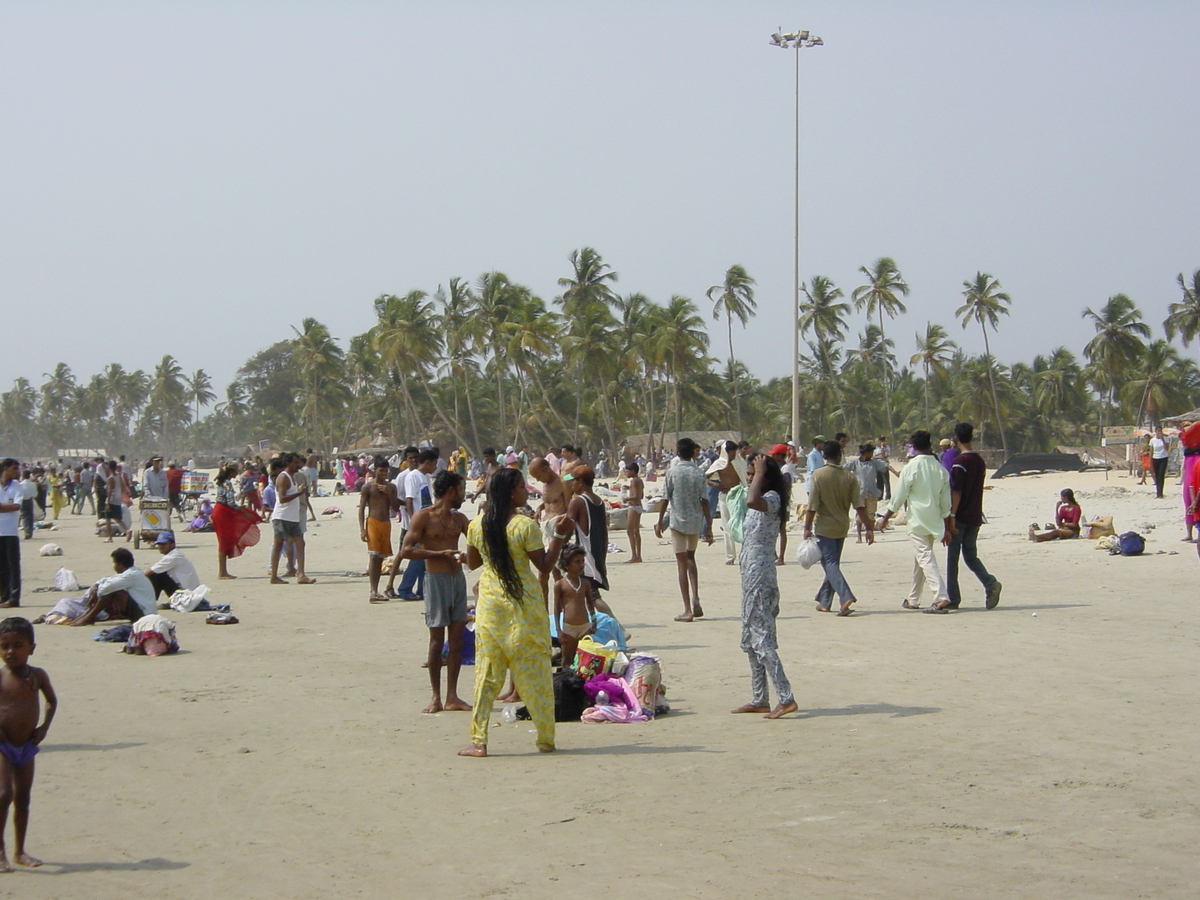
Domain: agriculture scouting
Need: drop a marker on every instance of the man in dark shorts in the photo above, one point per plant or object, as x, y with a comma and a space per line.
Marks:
432, 537
966, 508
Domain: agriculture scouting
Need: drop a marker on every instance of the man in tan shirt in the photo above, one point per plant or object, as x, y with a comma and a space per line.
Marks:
831, 494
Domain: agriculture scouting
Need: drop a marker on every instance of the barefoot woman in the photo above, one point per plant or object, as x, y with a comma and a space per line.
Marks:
767, 497
512, 625
236, 526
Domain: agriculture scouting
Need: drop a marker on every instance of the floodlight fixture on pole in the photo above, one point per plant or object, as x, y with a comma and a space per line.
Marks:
794, 40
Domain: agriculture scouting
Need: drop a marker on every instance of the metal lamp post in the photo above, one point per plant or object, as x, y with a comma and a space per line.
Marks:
794, 40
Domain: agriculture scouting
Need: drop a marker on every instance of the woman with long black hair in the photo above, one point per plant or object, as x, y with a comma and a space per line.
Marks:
512, 626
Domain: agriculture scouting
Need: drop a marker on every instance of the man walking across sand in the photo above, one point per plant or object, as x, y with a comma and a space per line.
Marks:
432, 540
966, 506
285, 520
924, 487
10, 541
686, 493
831, 495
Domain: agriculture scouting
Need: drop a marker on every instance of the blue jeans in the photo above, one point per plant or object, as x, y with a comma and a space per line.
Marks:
834, 583
963, 542
414, 576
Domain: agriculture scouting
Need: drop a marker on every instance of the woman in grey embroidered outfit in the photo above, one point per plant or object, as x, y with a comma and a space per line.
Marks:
767, 497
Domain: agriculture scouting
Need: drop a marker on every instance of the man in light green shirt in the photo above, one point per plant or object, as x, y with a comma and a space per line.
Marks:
924, 486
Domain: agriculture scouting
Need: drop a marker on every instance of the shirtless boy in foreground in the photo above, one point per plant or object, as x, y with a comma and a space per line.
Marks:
433, 536
20, 734
378, 501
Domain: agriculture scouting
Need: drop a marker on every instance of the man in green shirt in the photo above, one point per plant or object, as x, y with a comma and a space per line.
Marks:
924, 487
832, 493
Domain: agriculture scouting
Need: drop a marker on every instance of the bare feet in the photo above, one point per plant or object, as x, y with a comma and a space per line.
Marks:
511, 697
639, 559
306, 580
697, 612
751, 708
729, 562
377, 597
4, 866
24, 859
546, 749
846, 610
275, 579
290, 573
434, 707
782, 710
227, 577
779, 561
456, 705
684, 618
479, 750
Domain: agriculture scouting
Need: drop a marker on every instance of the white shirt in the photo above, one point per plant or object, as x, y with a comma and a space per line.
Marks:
1158, 448
10, 521
135, 583
418, 487
178, 567
28, 489
290, 511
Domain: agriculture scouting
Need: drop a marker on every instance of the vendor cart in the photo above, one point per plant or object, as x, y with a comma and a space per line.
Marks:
155, 515
193, 485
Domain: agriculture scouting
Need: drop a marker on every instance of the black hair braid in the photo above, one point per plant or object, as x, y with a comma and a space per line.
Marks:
495, 532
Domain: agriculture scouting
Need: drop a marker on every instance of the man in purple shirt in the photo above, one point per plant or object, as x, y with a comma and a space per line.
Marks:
966, 508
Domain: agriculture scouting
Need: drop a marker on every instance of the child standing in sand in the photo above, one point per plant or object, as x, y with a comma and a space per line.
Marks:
573, 610
378, 503
20, 734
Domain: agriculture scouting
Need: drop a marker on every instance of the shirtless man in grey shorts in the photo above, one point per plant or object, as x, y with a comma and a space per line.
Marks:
433, 536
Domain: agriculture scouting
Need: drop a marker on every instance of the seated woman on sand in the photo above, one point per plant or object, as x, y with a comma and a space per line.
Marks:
1067, 516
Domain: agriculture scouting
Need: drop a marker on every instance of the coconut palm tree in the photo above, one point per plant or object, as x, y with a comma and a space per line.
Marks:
1118, 344
985, 303
320, 363
168, 397
1159, 380
458, 310
18, 408
879, 296
199, 390
589, 285
934, 351
1183, 317
408, 341
820, 312
734, 298
682, 342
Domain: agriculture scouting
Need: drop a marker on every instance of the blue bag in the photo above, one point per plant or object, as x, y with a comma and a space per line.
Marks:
1131, 543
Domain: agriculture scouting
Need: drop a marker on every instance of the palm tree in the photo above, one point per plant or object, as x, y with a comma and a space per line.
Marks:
1184, 317
735, 299
588, 286
1058, 388
881, 294
320, 363
821, 313
934, 351
199, 390
682, 342
407, 339
17, 409
458, 309
1118, 344
985, 303
1159, 381
168, 397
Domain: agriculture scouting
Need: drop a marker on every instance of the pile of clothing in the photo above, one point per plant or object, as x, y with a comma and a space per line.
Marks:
605, 685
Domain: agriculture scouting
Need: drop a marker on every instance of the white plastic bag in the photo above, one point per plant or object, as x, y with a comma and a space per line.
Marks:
65, 580
186, 601
809, 553
50, 550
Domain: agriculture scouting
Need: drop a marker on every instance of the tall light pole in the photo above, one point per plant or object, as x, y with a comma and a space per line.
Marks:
794, 40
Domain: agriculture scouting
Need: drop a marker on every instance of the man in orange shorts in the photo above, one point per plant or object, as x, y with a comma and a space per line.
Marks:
377, 504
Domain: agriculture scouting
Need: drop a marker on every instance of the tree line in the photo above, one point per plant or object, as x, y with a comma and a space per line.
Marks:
490, 362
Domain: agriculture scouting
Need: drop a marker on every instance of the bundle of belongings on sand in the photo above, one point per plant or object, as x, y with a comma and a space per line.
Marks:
604, 685
148, 636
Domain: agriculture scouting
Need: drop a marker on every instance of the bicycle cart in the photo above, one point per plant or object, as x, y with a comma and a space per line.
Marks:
194, 484
155, 514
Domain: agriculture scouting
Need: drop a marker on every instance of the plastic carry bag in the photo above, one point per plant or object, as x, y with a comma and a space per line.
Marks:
809, 553
65, 580
735, 503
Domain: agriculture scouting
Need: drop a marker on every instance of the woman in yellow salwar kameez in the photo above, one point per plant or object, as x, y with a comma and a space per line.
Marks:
512, 623
58, 491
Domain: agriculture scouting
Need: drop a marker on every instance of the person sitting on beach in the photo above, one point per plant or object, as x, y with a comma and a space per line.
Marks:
126, 595
20, 734
574, 613
172, 571
1067, 516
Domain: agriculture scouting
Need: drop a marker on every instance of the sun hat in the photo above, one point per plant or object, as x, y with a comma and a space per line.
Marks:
780, 448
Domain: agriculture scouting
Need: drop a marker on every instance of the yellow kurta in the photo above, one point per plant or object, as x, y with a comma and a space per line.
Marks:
512, 635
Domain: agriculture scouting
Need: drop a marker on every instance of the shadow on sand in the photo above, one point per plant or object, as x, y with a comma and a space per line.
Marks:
142, 865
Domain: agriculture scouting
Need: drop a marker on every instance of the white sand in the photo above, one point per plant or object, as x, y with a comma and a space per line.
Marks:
976, 754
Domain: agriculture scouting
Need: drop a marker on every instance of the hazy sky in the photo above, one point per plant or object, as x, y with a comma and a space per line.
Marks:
195, 178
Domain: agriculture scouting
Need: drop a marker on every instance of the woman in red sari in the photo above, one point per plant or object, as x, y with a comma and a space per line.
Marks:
236, 526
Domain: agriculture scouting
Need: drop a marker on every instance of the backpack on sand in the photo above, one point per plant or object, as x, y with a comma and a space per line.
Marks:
1131, 544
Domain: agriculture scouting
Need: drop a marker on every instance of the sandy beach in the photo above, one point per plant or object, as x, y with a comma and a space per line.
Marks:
1042, 749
